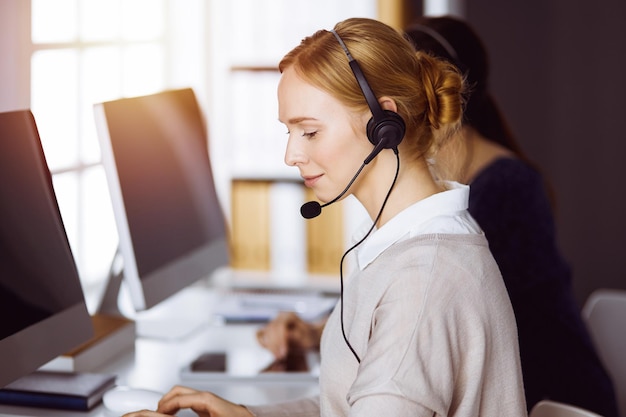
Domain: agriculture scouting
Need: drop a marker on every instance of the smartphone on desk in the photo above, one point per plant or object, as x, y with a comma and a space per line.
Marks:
252, 364
210, 362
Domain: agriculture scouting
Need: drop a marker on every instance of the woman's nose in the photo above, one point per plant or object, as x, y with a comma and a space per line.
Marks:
293, 154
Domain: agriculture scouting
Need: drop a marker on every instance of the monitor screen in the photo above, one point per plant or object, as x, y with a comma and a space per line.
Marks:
42, 307
171, 227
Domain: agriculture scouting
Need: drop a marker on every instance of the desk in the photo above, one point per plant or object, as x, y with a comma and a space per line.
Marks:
155, 363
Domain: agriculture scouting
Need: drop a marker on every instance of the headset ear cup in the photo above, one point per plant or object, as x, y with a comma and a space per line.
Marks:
391, 129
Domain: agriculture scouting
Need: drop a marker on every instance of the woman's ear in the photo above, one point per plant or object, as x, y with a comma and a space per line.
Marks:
387, 103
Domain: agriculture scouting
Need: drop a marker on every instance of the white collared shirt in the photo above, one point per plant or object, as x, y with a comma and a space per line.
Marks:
444, 212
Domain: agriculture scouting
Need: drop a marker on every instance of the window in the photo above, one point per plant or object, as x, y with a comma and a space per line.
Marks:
85, 52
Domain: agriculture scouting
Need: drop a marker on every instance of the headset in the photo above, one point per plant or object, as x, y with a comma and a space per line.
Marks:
386, 128
441, 40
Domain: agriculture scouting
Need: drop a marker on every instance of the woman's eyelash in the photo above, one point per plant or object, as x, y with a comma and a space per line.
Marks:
305, 134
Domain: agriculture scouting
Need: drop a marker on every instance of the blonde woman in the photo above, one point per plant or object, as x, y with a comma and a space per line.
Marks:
424, 326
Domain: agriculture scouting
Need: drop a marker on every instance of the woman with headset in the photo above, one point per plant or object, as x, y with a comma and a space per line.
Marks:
424, 326
511, 201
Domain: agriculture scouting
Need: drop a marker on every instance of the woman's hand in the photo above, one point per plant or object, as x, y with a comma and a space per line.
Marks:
288, 332
203, 403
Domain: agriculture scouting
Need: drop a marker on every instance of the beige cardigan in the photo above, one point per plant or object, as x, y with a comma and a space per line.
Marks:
432, 323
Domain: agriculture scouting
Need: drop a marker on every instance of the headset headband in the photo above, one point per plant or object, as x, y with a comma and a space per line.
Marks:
370, 97
439, 38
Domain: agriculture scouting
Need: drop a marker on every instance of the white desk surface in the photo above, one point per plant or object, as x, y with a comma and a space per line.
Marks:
155, 363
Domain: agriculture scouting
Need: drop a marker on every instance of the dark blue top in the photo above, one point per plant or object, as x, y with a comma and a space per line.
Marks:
509, 201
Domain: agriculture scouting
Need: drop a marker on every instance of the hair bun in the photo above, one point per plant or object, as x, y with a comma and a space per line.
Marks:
444, 89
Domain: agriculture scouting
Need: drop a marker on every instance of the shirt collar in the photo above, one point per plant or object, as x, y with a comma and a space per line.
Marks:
447, 207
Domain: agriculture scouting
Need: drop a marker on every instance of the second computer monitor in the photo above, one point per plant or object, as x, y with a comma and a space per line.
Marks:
172, 230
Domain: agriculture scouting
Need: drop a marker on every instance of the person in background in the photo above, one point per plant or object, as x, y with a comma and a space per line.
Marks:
511, 202
424, 326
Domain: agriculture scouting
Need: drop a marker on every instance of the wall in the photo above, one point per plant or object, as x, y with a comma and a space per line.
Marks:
14, 60
558, 72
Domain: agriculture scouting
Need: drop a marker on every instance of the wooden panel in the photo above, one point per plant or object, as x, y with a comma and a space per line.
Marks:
395, 13
250, 225
325, 239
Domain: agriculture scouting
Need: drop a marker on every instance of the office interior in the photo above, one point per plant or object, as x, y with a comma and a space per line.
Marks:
556, 71
556, 74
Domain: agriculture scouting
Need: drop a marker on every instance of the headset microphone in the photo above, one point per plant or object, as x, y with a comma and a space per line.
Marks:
385, 130
311, 209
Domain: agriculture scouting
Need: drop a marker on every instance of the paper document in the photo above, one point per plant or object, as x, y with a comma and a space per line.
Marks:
240, 306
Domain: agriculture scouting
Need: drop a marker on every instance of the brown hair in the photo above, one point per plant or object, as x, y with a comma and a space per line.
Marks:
428, 92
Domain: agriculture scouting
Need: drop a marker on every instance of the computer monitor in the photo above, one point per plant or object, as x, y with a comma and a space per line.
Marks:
42, 308
172, 231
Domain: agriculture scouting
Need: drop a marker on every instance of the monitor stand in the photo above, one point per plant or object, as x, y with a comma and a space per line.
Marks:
176, 318
163, 322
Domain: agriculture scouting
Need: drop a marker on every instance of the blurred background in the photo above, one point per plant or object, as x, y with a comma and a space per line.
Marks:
557, 71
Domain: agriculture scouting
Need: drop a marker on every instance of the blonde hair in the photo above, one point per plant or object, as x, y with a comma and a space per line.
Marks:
428, 92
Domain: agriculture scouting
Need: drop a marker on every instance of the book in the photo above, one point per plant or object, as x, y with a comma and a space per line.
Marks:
113, 335
60, 390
